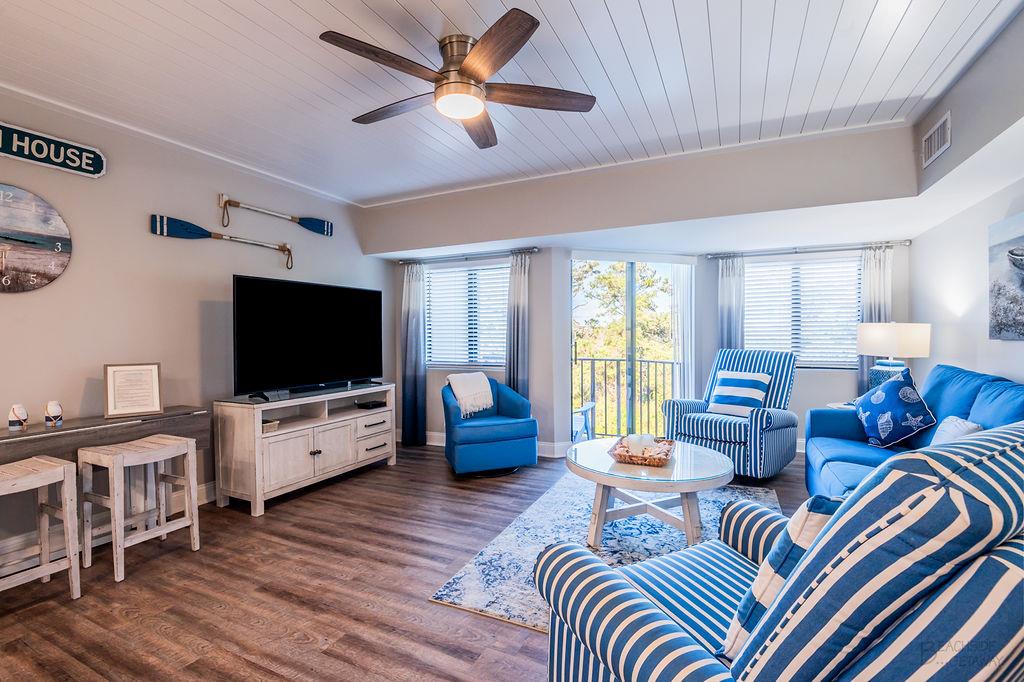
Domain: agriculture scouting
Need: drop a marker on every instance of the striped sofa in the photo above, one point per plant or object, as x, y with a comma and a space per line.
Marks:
919, 574
760, 445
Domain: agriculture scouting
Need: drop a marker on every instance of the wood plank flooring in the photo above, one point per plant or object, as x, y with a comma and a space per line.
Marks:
332, 583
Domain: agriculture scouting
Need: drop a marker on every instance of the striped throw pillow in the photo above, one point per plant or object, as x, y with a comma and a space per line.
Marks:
917, 520
737, 393
789, 548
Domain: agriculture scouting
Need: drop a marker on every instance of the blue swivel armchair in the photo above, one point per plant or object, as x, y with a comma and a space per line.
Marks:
503, 436
759, 445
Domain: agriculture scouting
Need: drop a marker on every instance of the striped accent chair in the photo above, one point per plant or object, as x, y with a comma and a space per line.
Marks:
760, 444
918, 575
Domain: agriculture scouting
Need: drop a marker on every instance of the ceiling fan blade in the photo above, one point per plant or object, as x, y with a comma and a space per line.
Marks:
379, 55
498, 45
537, 97
481, 130
396, 108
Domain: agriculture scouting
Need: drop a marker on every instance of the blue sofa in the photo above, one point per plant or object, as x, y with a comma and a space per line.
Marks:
838, 454
503, 436
916, 576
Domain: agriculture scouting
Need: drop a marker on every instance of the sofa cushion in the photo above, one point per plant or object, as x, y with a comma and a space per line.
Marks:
915, 521
944, 637
722, 427
948, 391
700, 587
783, 557
494, 428
893, 411
999, 403
839, 479
821, 450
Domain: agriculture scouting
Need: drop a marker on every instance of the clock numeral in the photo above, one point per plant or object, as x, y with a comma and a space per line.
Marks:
53, 266
7, 197
32, 279
59, 247
5, 280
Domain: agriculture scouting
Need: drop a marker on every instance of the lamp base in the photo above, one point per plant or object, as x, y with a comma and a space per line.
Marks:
883, 370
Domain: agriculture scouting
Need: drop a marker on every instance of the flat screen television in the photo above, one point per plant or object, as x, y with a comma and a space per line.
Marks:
304, 336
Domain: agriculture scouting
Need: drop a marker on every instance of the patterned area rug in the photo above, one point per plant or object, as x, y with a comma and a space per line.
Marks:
498, 582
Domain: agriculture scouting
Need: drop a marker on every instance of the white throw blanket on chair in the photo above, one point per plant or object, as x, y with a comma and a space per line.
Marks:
472, 390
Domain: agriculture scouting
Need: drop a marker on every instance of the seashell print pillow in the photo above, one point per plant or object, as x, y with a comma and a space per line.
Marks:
893, 411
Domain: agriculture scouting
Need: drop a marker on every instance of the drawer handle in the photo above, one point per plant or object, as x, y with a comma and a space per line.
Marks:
382, 421
314, 453
377, 447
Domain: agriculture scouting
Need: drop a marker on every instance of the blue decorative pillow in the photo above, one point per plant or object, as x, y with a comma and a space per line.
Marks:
893, 411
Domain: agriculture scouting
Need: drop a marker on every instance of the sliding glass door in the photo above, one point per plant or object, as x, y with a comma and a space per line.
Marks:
627, 352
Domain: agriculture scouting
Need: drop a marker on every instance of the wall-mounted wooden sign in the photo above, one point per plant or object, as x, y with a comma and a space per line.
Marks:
28, 145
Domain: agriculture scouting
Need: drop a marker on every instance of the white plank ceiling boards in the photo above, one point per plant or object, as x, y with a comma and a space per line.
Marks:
248, 80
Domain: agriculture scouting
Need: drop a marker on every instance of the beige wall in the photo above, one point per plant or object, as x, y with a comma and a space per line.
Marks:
814, 171
986, 100
129, 296
949, 289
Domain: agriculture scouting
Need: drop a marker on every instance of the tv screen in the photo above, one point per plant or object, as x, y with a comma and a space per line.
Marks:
295, 335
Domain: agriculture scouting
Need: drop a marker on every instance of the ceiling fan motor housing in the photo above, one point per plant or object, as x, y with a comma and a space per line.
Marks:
454, 49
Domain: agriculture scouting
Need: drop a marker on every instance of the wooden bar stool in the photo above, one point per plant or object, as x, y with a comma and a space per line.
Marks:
152, 522
39, 473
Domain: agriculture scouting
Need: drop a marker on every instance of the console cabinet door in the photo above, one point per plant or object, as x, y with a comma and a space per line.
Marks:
288, 459
337, 446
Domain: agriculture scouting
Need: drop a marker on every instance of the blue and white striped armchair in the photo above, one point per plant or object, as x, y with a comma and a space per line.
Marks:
918, 575
759, 445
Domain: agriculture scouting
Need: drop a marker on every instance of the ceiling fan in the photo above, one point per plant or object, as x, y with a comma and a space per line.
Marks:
460, 86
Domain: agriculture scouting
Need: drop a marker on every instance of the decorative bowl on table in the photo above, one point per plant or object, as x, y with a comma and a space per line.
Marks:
642, 450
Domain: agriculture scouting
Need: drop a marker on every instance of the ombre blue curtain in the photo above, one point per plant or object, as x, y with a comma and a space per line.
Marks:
875, 299
414, 366
517, 339
731, 273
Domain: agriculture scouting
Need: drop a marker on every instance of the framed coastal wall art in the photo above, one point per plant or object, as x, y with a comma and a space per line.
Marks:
1006, 279
35, 243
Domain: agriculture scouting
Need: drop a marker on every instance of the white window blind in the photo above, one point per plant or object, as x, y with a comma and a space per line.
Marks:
467, 314
808, 307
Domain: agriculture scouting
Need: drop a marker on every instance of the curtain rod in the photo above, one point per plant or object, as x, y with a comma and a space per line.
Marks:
470, 256
809, 249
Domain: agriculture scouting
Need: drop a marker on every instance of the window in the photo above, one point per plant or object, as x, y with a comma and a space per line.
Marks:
467, 314
809, 307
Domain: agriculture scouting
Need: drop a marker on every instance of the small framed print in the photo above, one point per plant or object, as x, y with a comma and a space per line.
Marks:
132, 390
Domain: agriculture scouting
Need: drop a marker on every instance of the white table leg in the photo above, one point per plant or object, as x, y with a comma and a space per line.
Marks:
602, 497
691, 517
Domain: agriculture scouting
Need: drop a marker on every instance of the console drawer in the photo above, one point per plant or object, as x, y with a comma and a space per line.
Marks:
374, 447
373, 423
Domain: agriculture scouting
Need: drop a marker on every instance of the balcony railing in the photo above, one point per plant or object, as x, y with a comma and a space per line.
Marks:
603, 382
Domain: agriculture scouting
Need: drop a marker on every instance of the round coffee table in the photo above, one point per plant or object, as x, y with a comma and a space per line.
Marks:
690, 469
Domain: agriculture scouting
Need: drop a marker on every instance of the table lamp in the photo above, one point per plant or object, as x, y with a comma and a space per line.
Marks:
892, 340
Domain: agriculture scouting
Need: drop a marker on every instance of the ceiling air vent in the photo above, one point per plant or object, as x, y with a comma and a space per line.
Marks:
935, 141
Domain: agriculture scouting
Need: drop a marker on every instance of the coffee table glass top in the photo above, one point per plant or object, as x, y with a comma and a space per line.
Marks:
688, 463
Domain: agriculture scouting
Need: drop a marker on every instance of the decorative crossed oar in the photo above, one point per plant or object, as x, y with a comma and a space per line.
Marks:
318, 225
164, 226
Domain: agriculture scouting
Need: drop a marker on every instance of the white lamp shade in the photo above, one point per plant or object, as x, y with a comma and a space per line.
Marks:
894, 339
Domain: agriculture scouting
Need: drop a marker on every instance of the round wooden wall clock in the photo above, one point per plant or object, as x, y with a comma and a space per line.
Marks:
35, 243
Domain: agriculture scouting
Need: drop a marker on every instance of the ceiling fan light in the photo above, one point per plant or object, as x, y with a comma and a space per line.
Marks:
460, 106
459, 100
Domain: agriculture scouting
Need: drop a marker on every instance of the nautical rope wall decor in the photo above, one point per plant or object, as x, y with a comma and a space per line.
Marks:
163, 226
317, 225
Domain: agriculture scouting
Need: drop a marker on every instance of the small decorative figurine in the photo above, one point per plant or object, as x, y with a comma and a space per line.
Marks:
17, 418
54, 414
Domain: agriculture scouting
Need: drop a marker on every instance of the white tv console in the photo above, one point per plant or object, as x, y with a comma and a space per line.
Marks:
319, 435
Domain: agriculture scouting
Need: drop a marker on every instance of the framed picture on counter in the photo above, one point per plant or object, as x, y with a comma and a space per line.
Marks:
132, 390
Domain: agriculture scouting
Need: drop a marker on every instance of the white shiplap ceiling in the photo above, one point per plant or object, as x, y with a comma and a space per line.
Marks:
248, 80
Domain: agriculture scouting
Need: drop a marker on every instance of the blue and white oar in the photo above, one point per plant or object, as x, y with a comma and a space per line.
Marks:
164, 226
318, 225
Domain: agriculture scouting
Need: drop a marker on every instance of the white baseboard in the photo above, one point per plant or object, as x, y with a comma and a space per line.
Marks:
207, 493
800, 443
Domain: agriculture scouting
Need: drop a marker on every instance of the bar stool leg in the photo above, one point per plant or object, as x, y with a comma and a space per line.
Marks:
161, 498
117, 501
69, 505
85, 479
191, 496
42, 498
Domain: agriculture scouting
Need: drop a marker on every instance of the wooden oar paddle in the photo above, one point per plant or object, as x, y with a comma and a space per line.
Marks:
163, 226
318, 225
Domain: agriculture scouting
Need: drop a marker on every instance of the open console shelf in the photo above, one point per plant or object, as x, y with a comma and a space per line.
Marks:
270, 448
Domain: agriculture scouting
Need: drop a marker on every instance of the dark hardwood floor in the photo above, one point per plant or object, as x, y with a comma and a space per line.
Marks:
331, 583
